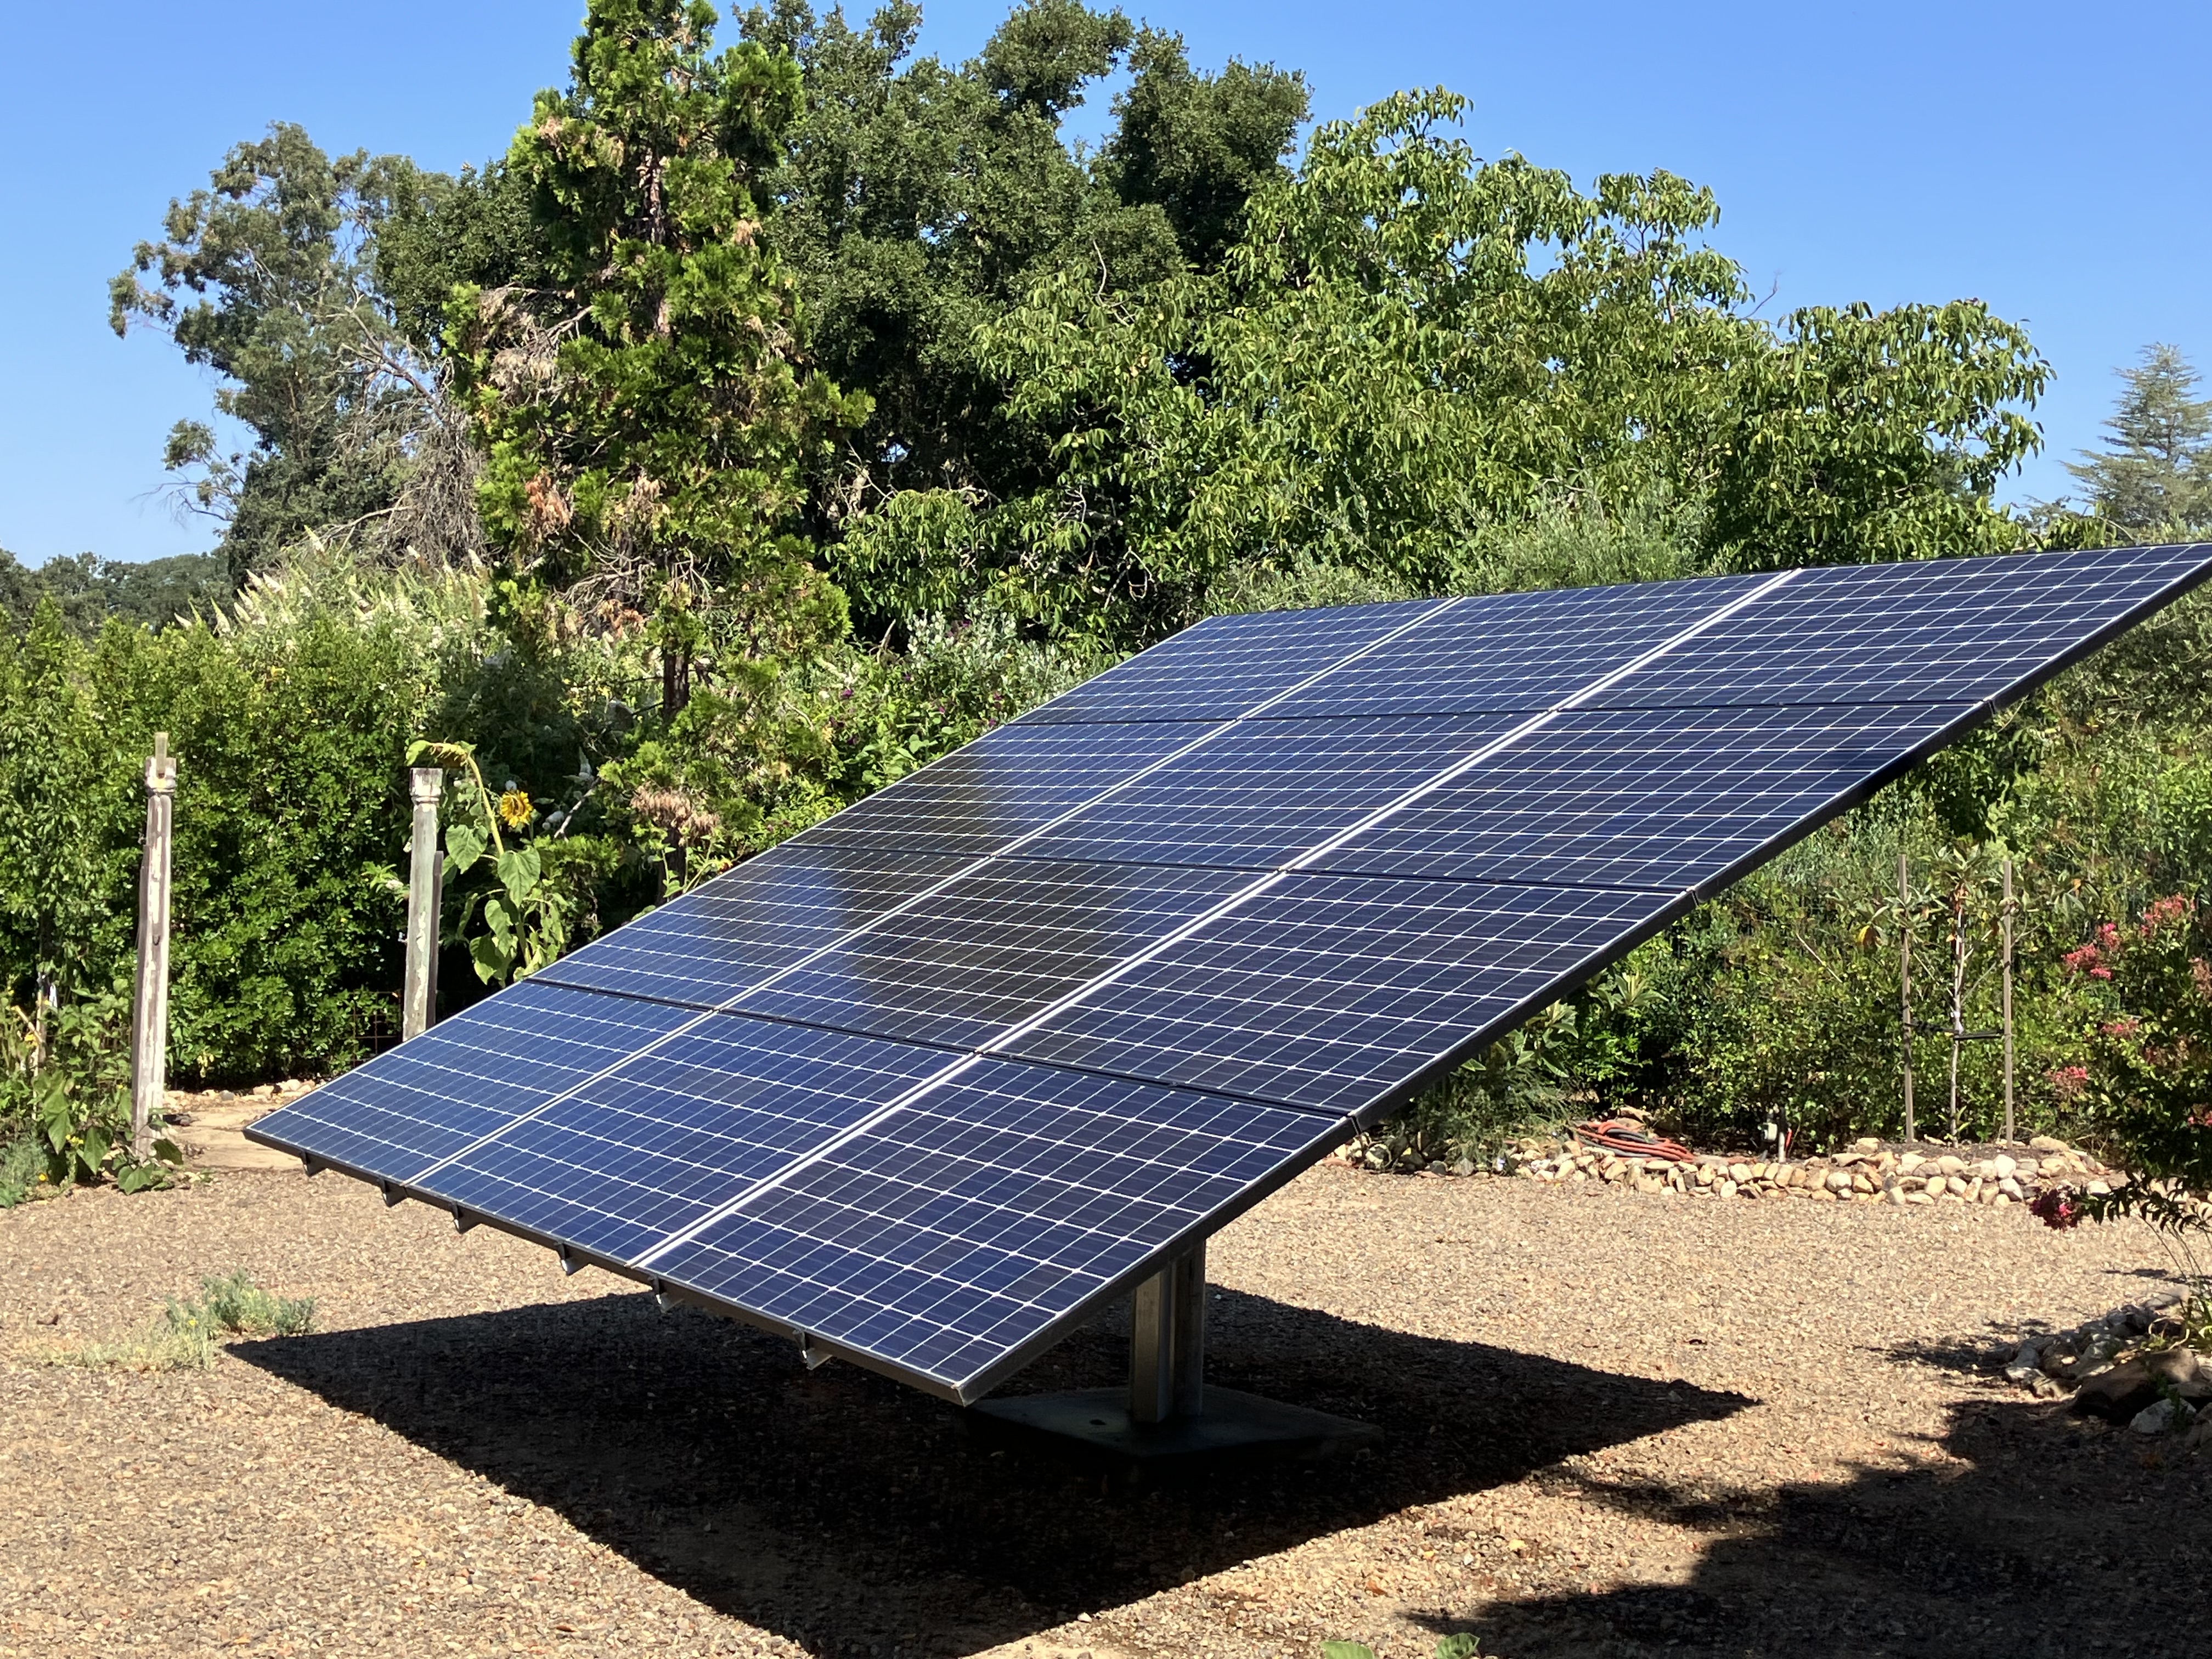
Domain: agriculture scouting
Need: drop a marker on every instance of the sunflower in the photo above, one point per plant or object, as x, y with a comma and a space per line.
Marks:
515, 808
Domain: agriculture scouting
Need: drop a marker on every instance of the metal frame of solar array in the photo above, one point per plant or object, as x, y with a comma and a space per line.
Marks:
931, 1083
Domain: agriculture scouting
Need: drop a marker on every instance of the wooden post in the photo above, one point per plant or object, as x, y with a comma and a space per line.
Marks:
1904, 978
149, 1016
2009, 1135
418, 1001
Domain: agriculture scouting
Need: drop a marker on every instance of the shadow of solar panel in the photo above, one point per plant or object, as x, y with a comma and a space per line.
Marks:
951, 1241
999, 1040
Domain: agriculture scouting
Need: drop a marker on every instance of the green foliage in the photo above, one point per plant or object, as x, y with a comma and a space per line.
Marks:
267, 278
183, 1335
234, 1304
645, 419
918, 202
89, 590
2153, 477
527, 906
1407, 355
1463, 1645
66, 1091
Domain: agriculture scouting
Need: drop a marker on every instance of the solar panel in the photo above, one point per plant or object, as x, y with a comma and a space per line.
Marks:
932, 1082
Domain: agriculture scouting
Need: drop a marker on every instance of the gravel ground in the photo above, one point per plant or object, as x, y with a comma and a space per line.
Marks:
1616, 1423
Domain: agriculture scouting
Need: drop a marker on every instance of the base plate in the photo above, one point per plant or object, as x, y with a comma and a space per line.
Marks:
1233, 1425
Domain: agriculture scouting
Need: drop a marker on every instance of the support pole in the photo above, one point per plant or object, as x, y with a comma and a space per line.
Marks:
1905, 978
150, 1013
2009, 1135
1167, 1342
418, 1000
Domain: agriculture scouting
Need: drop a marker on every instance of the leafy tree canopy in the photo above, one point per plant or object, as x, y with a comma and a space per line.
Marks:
918, 202
1407, 347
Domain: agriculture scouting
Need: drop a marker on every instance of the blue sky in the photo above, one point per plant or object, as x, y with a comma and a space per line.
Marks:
2051, 159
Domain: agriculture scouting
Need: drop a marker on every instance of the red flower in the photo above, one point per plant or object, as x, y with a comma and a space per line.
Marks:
2069, 1080
2175, 908
2056, 1207
2121, 1028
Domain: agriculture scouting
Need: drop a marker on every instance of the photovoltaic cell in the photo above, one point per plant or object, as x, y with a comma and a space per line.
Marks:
971, 1224
768, 914
931, 1081
1228, 666
991, 950
1008, 783
1660, 799
654, 1146
466, 1077
1326, 991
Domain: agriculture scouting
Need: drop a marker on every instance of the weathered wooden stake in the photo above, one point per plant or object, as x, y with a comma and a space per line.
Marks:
149, 1017
1904, 978
418, 1002
2008, 998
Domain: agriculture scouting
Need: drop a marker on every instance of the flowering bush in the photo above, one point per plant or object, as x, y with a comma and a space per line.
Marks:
2144, 1078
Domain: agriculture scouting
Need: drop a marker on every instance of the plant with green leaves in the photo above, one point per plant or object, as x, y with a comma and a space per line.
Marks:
527, 909
67, 1075
1463, 1645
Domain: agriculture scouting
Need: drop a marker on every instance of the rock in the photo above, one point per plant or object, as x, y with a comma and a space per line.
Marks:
2011, 1189
2160, 1417
2180, 1372
1950, 1164
1739, 1173
2044, 1387
2097, 1188
1866, 1144
1908, 1163
1727, 1187
2049, 1144
1862, 1182
1839, 1182
2116, 1393
1955, 1186
1918, 1198
1973, 1192
1464, 1167
2004, 1168
2027, 1364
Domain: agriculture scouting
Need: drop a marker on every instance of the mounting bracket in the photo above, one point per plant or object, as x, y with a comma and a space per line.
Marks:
1169, 1416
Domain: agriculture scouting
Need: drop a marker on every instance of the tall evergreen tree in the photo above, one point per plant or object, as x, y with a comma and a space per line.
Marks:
646, 416
2155, 471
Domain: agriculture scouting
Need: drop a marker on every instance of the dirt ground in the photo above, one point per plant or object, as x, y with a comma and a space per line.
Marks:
1615, 1424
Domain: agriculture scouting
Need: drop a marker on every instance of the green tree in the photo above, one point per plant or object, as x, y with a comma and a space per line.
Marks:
920, 202
645, 418
267, 278
2155, 471
1408, 357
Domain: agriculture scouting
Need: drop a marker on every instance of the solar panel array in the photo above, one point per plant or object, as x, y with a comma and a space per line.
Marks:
931, 1082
